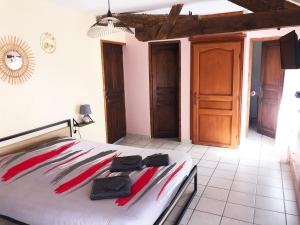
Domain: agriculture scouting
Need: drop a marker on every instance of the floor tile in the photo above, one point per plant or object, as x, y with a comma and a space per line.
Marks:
204, 171
247, 169
195, 161
202, 218
292, 220
289, 195
239, 212
196, 154
212, 156
291, 208
245, 177
208, 164
264, 217
288, 184
227, 166
241, 198
269, 173
228, 221
269, 181
244, 187
211, 206
247, 162
203, 180
268, 191
267, 203
226, 174
183, 147
216, 193
220, 183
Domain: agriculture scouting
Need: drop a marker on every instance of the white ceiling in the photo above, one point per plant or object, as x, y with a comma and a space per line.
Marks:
200, 7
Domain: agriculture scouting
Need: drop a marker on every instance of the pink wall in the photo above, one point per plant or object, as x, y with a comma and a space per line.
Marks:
136, 71
136, 75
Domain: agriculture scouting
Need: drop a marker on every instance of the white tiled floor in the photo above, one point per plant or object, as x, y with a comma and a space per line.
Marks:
235, 187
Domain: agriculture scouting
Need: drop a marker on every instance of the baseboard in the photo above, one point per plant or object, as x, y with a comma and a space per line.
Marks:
186, 141
138, 135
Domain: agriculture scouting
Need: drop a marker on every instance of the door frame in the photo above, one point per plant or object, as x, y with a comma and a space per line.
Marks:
102, 42
213, 39
150, 44
252, 40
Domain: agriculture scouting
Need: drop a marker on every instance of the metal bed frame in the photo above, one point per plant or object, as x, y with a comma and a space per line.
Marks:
163, 217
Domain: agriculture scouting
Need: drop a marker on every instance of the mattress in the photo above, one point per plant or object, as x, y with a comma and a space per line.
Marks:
51, 185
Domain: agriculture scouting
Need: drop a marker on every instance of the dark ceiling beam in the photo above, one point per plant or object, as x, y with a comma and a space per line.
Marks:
264, 5
146, 20
188, 26
170, 22
149, 20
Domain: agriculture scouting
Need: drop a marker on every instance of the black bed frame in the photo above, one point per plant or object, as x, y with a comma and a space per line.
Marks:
163, 217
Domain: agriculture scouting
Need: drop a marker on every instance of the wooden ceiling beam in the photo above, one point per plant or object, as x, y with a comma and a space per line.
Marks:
189, 26
170, 22
264, 5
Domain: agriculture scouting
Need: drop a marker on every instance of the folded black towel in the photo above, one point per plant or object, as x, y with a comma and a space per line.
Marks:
156, 160
126, 164
111, 187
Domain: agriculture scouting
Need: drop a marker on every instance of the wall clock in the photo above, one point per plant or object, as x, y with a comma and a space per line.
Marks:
16, 60
48, 42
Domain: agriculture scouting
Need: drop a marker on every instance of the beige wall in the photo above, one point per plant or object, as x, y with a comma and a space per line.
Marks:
71, 76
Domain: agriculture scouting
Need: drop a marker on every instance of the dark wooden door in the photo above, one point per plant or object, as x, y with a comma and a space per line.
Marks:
164, 89
271, 88
114, 91
215, 93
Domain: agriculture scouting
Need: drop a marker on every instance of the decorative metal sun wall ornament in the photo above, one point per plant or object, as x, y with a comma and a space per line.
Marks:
16, 60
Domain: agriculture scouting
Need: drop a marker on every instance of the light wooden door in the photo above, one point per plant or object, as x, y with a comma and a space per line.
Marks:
271, 79
164, 89
215, 90
114, 92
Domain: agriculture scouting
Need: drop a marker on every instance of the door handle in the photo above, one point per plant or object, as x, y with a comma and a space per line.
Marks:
252, 93
195, 98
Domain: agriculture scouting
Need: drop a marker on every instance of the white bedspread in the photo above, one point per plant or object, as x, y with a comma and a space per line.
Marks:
31, 199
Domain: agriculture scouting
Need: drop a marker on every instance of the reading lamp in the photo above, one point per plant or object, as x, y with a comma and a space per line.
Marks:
85, 111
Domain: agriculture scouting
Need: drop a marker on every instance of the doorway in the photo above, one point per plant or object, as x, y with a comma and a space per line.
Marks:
164, 68
266, 86
114, 97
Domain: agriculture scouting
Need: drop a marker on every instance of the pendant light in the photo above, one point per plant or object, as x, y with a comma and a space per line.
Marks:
108, 25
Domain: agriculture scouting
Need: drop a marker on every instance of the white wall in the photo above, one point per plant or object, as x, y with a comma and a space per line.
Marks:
71, 76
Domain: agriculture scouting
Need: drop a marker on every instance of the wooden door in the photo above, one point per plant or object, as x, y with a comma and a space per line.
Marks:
164, 89
114, 91
271, 79
215, 93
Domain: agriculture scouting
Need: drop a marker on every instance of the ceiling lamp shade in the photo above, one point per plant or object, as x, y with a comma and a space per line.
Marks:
108, 25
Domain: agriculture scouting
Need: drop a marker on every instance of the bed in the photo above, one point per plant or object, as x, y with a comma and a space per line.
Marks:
50, 182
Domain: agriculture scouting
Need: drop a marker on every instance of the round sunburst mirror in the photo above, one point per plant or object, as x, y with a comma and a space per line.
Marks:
16, 60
